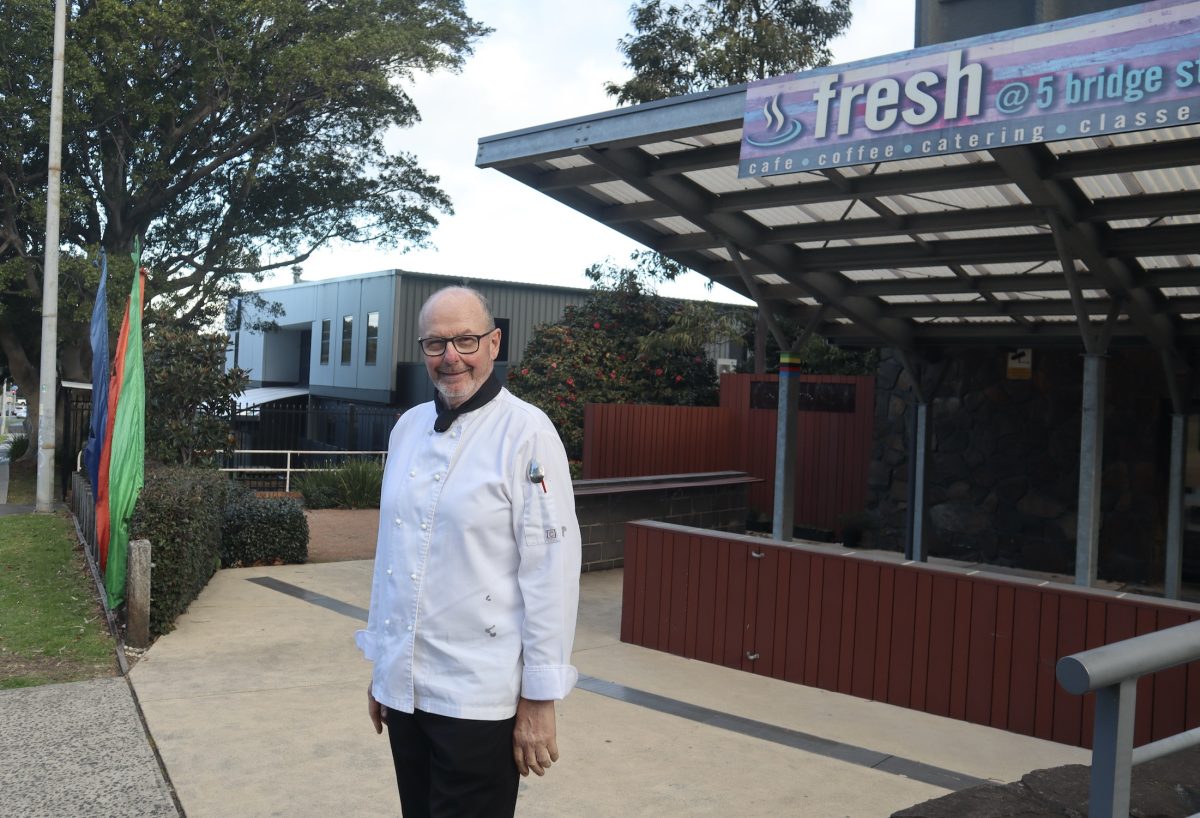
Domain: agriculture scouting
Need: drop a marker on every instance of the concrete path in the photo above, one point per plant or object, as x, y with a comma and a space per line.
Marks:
257, 705
78, 749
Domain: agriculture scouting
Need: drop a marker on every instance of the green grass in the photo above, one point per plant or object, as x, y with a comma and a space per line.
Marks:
52, 628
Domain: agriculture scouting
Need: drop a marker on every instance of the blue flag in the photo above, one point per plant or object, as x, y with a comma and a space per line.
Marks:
100, 375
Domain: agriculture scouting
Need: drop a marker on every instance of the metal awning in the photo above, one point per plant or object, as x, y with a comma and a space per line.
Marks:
945, 249
267, 394
1090, 241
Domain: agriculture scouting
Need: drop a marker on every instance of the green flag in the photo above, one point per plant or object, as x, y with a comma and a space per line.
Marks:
127, 460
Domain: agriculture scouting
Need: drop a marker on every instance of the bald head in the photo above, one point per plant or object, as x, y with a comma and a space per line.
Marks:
461, 317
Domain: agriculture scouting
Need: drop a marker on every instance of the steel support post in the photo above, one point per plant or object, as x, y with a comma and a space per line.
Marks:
784, 517
1112, 753
1174, 567
918, 471
1091, 461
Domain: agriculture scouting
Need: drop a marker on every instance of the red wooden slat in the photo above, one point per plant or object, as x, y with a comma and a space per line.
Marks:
846, 648
639, 619
981, 653
692, 612
1072, 638
735, 619
883, 635
677, 626
1043, 720
1170, 688
924, 616
797, 627
1002, 658
1022, 697
816, 587
1192, 718
831, 623
721, 609
1143, 725
764, 617
653, 616
941, 646
866, 626
899, 690
750, 607
783, 584
706, 611
960, 655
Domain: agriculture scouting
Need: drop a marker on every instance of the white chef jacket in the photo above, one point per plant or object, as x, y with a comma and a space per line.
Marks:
476, 583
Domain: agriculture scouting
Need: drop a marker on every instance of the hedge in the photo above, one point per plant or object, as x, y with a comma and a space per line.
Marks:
179, 511
263, 531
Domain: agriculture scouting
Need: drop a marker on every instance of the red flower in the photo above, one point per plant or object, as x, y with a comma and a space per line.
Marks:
524, 371
554, 366
613, 374
570, 381
678, 378
658, 372
595, 325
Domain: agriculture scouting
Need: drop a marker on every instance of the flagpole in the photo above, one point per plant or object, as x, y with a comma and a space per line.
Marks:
48, 391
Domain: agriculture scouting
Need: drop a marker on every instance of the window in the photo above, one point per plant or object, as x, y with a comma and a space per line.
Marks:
372, 350
325, 331
347, 338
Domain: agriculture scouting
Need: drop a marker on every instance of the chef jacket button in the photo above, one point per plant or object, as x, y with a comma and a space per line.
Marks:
410, 628
412, 577
424, 526
412, 473
387, 621
437, 477
399, 521
389, 572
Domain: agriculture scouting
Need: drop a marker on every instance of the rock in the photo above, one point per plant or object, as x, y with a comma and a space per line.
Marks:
1040, 506
959, 518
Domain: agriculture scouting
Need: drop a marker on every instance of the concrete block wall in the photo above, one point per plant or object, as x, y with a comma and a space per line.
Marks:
605, 506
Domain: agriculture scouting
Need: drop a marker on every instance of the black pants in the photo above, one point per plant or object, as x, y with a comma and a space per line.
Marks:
453, 768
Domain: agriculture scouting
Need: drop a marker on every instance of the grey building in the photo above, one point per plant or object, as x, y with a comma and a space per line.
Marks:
940, 21
354, 338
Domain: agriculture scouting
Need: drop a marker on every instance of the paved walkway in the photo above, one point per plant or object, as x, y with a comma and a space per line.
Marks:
256, 704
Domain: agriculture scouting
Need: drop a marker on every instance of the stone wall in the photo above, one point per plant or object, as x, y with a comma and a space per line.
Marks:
716, 501
1003, 468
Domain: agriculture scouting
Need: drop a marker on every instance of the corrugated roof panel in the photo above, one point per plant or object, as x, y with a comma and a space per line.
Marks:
1013, 268
983, 234
973, 198
569, 161
770, 278
723, 180
1185, 291
894, 274
1169, 180
929, 162
677, 225
781, 216
618, 193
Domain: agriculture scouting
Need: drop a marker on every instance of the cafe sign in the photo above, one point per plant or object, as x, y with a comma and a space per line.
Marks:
1128, 69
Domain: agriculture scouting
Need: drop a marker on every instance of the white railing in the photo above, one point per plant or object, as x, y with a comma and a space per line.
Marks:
1112, 671
288, 469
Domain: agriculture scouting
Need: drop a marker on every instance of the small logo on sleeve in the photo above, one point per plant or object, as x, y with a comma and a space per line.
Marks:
551, 535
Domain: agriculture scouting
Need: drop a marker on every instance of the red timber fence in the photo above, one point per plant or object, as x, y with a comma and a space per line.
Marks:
833, 441
954, 642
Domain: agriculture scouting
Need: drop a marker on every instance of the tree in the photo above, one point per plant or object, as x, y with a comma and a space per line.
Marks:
624, 344
680, 48
190, 398
233, 136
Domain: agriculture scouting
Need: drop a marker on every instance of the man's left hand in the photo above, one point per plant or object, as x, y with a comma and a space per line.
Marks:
534, 744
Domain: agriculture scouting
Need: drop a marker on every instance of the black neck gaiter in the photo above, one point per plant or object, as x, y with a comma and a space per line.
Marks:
483, 395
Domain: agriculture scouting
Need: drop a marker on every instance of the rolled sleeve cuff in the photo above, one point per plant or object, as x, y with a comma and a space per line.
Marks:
366, 643
548, 682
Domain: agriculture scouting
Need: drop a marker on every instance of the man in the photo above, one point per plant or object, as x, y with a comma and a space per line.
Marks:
476, 583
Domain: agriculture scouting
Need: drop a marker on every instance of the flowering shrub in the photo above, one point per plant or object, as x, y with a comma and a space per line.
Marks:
598, 353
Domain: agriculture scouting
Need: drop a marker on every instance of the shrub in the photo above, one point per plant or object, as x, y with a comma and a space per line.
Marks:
179, 511
355, 484
17, 446
360, 482
263, 531
319, 488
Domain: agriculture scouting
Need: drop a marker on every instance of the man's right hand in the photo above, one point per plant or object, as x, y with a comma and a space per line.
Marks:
375, 710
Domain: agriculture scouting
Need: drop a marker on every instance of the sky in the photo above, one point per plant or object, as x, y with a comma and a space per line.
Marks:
546, 61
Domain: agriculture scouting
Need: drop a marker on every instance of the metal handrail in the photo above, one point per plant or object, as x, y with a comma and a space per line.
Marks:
1113, 671
288, 470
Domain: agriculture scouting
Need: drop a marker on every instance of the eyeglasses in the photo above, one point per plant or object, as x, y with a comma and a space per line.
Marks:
463, 344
